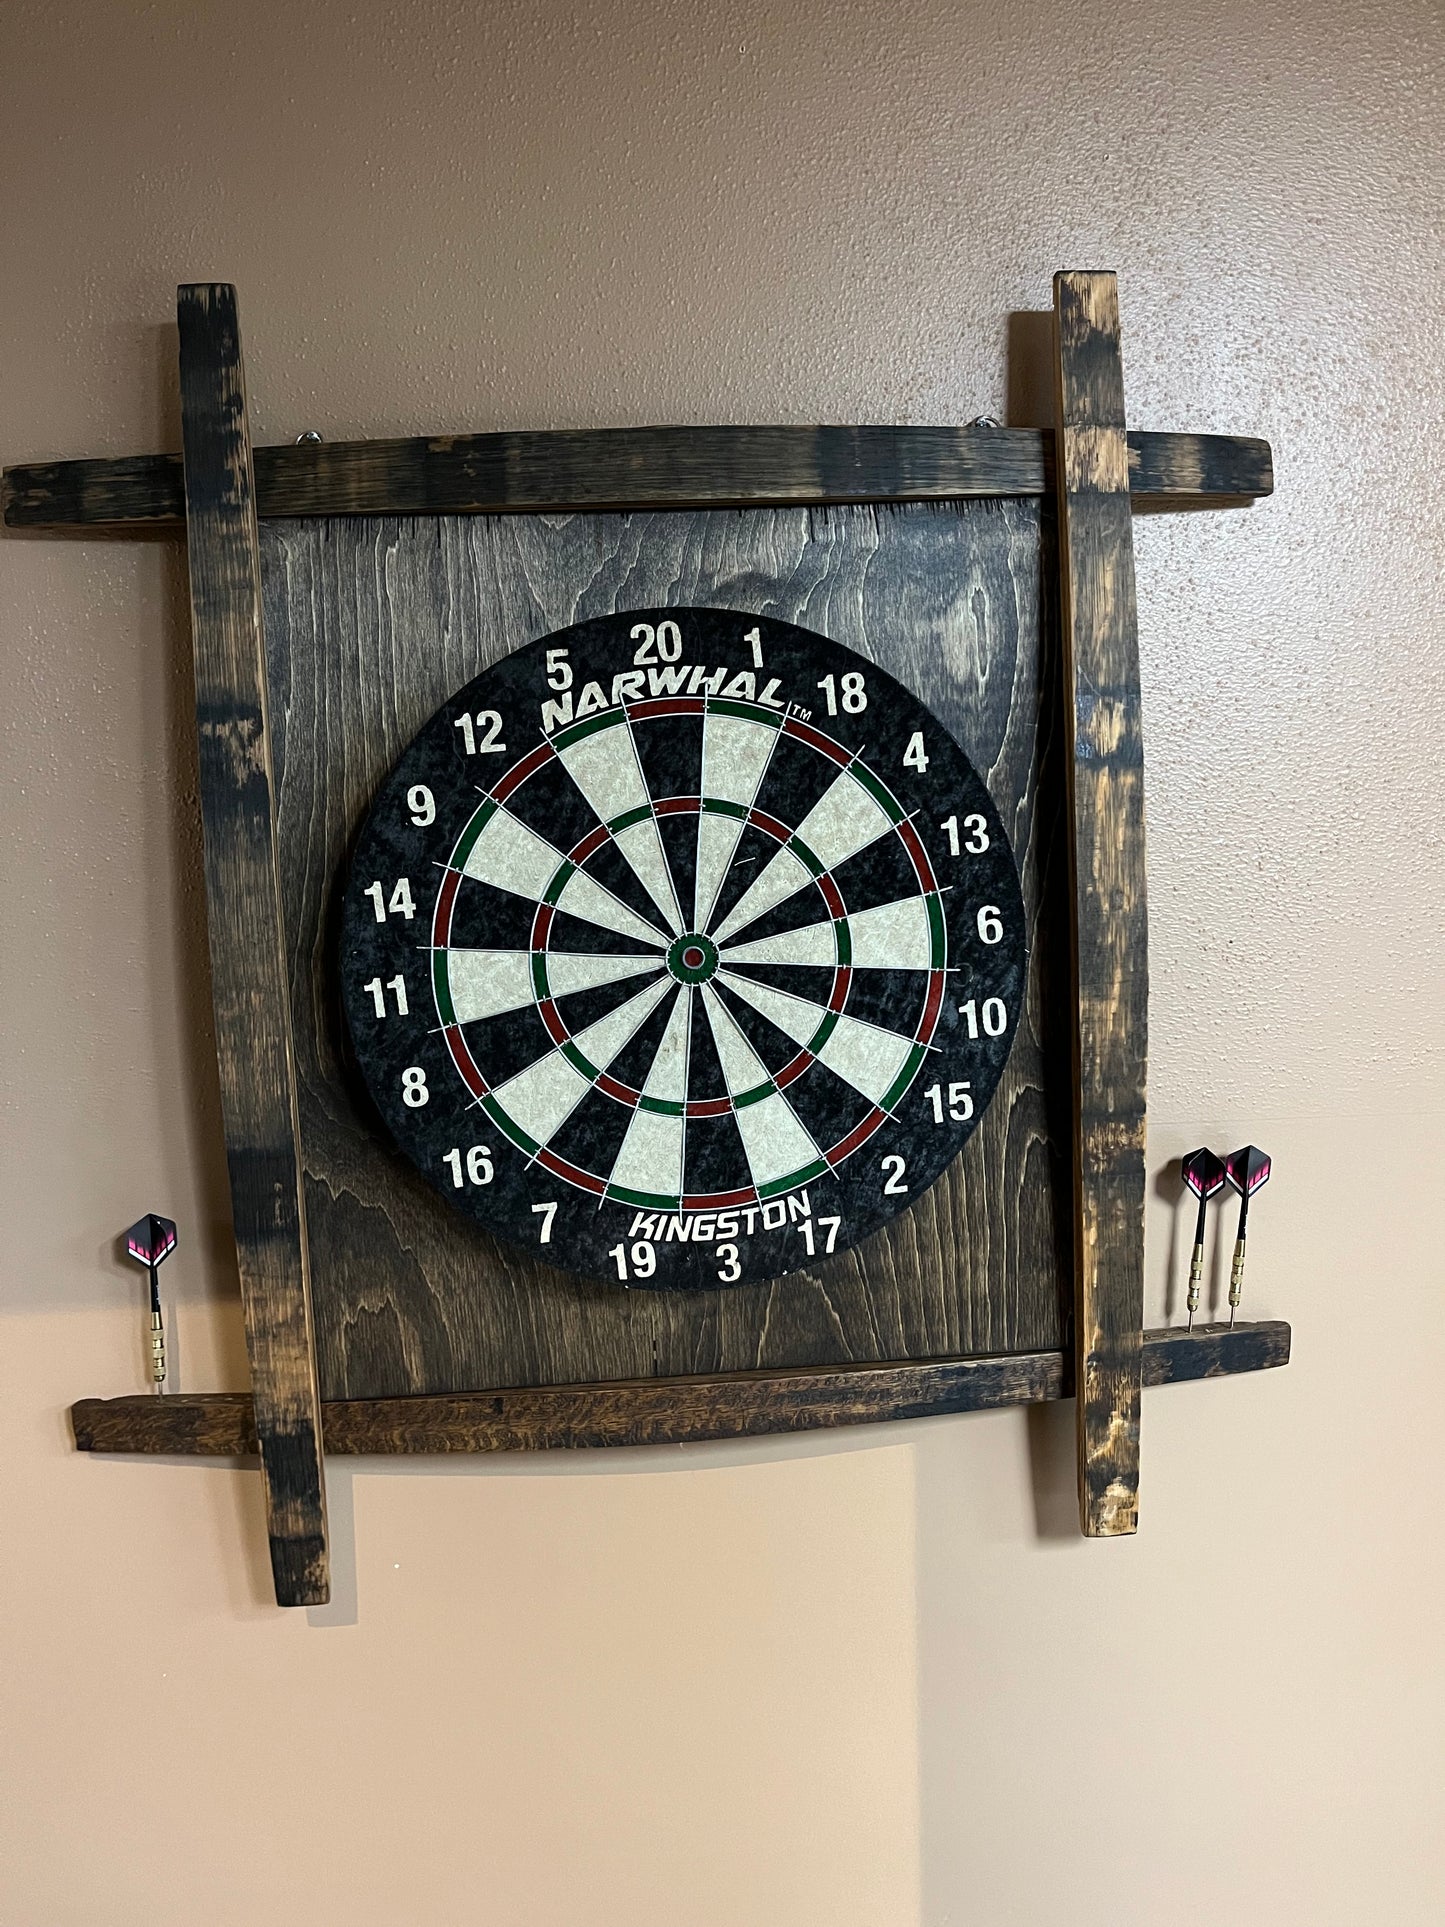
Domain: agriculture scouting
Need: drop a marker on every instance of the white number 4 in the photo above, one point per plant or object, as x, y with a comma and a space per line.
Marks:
915, 756
960, 1104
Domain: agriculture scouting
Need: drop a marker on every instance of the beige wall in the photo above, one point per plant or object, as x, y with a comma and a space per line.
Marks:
869, 1678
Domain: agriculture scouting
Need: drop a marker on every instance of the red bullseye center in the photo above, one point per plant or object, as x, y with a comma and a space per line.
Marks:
692, 957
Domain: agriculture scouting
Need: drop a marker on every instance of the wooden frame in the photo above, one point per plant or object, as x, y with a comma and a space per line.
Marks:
1105, 761
248, 978
1095, 469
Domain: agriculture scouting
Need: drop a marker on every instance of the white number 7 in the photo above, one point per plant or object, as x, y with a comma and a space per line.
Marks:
549, 1212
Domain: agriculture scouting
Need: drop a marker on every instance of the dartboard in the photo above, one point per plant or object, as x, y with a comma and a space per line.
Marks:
684, 947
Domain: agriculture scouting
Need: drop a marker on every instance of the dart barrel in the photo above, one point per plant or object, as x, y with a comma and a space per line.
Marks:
1236, 1275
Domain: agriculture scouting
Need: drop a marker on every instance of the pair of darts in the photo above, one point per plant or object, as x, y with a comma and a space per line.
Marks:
1205, 1174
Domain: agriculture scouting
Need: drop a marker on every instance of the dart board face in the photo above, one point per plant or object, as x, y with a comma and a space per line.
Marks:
683, 947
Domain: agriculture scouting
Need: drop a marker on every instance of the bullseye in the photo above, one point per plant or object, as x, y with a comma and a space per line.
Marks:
693, 958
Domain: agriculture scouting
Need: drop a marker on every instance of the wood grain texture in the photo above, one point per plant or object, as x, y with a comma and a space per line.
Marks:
630, 468
370, 626
663, 1411
248, 981
1105, 763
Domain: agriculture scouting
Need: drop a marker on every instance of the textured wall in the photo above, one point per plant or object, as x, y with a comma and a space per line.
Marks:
864, 1678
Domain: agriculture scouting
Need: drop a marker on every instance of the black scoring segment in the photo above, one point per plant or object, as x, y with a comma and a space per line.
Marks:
705, 1073
882, 873
633, 1063
893, 999
609, 867
773, 1045
552, 807
795, 779
815, 986
591, 1135
488, 919
825, 1106
716, 1159
580, 1008
509, 1043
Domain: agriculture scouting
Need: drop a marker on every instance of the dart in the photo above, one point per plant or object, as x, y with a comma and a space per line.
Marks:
1204, 1174
1246, 1170
150, 1241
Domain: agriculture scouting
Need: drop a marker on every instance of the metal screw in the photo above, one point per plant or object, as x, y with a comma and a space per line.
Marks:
308, 435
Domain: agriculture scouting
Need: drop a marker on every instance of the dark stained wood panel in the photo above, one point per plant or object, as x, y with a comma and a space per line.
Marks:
630, 468
1105, 762
370, 626
248, 978
664, 1411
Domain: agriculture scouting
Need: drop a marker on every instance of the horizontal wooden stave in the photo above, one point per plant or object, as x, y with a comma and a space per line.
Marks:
629, 468
663, 1411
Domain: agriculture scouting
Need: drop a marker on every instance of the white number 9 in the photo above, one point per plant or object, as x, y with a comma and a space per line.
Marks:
422, 804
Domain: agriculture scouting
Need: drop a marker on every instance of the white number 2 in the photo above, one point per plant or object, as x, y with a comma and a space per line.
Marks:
895, 1187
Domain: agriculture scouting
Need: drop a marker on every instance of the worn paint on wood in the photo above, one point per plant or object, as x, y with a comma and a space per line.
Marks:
1105, 763
248, 983
665, 1411
631, 468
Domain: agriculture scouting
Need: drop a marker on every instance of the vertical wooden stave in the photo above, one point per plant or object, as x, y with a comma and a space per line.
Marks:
1108, 901
248, 983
